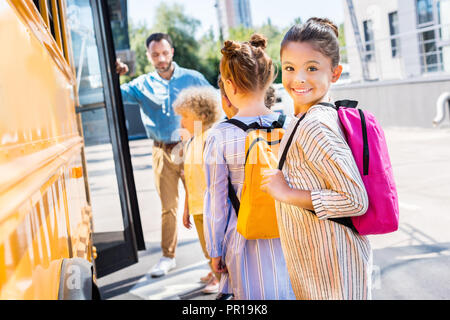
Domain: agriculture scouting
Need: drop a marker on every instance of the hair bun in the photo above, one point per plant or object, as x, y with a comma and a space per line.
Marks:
230, 48
326, 22
258, 41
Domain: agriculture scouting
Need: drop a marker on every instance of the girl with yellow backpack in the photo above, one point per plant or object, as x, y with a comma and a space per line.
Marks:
252, 265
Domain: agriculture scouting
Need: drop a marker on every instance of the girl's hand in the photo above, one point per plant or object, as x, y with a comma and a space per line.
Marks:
186, 218
273, 183
218, 266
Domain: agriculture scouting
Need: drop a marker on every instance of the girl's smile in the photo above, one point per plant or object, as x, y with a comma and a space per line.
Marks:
301, 91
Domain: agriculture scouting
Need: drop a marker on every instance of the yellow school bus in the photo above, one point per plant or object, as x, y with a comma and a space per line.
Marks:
46, 231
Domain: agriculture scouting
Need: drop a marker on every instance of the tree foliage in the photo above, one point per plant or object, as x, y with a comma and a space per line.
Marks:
201, 54
342, 44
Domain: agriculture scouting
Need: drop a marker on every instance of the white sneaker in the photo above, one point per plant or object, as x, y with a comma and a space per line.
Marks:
212, 286
164, 265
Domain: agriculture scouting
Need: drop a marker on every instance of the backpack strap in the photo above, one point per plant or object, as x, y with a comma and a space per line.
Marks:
238, 124
365, 143
288, 144
189, 142
346, 103
231, 193
254, 125
340, 103
280, 122
233, 197
346, 221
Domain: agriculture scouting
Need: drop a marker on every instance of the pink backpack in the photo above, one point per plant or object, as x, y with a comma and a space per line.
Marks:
368, 145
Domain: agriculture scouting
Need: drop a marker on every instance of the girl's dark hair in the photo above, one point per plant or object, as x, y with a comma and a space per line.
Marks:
248, 64
321, 33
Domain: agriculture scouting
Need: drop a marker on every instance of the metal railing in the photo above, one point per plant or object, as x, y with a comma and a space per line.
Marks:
416, 53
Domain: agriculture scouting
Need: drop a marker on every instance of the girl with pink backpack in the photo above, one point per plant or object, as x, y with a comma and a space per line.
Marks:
319, 187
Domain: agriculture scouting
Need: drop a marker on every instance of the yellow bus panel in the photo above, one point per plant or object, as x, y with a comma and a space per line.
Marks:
44, 216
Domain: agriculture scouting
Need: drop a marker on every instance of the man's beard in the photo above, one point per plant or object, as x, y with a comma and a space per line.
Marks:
163, 70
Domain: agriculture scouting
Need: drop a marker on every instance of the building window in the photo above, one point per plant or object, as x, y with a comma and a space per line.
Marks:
368, 39
424, 11
430, 52
393, 30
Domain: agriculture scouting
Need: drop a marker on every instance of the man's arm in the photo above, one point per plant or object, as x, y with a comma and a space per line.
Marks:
200, 80
128, 94
121, 68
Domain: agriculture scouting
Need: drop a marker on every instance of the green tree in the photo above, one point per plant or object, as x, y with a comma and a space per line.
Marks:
182, 30
203, 54
209, 56
138, 35
274, 36
298, 20
240, 33
342, 44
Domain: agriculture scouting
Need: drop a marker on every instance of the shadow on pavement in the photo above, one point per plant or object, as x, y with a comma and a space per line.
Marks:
119, 287
155, 247
416, 271
121, 282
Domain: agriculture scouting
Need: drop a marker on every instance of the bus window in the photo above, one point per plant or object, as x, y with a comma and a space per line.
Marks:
64, 32
57, 23
50, 18
43, 9
51, 13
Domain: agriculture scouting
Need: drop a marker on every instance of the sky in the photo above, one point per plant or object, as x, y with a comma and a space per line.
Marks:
281, 12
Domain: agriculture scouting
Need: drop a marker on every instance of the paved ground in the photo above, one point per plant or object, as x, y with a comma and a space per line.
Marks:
134, 282
411, 263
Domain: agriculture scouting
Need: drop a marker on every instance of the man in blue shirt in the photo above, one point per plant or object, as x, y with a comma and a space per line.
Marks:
155, 92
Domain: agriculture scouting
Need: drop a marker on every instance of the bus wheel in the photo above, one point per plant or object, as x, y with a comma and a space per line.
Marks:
76, 281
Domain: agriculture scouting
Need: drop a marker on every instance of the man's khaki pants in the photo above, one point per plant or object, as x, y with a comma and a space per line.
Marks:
167, 170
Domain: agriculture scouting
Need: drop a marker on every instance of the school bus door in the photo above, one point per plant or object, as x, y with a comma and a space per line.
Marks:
117, 226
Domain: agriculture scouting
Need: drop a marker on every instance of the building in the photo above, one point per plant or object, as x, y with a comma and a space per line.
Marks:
401, 70
401, 39
233, 13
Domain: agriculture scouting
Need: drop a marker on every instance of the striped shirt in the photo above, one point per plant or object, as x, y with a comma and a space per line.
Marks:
256, 268
326, 260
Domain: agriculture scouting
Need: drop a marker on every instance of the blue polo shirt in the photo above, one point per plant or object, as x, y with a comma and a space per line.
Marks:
155, 96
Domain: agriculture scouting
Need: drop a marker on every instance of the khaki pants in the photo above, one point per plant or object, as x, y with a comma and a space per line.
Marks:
198, 221
167, 174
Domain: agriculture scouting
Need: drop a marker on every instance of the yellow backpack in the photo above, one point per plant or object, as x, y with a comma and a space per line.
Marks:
256, 210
